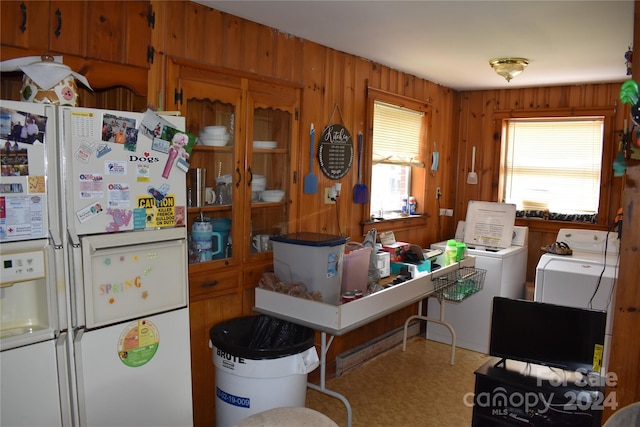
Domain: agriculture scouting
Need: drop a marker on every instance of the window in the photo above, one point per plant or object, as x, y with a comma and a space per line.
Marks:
553, 164
397, 135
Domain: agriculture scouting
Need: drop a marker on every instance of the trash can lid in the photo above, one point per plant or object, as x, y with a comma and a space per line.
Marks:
261, 337
307, 238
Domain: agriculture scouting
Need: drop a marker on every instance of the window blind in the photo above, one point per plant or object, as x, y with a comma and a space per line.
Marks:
396, 135
554, 164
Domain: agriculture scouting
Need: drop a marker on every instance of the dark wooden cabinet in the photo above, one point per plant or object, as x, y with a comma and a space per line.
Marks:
523, 394
114, 31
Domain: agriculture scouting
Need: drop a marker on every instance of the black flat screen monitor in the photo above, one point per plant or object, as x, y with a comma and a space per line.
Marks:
569, 338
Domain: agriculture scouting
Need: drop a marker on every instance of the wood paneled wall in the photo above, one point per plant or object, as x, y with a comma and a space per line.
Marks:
478, 126
331, 78
625, 342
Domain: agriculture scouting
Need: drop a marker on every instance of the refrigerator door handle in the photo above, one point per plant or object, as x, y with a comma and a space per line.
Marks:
64, 380
81, 404
61, 289
77, 281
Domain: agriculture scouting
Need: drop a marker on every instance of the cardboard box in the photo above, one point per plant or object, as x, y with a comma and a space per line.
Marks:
396, 250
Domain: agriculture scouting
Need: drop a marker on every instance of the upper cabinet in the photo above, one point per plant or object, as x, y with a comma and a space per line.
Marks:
114, 31
25, 24
270, 159
247, 132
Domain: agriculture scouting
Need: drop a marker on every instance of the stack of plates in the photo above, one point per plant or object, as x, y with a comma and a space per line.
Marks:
272, 195
216, 136
265, 144
258, 184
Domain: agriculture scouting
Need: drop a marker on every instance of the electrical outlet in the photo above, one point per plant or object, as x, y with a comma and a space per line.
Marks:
449, 212
443, 212
438, 193
327, 197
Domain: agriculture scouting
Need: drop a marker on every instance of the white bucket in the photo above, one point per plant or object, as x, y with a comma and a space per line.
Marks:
246, 386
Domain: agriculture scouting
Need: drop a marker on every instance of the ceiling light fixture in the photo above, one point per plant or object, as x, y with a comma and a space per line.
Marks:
509, 67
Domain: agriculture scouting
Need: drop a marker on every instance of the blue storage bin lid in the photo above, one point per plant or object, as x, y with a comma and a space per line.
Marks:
310, 239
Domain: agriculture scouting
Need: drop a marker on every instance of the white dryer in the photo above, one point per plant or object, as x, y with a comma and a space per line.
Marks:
584, 279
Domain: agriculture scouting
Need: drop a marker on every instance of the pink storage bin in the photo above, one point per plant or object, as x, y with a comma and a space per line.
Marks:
355, 267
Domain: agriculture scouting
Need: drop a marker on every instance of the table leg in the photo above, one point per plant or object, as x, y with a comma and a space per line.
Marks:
324, 348
441, 321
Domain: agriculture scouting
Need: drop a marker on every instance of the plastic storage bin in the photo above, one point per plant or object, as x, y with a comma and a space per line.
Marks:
314, 259
260, 363
355, 268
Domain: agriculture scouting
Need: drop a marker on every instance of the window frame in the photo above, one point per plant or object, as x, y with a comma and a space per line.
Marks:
604, 213
418, 174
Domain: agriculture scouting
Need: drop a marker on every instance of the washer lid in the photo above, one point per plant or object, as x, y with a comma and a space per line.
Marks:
489, 224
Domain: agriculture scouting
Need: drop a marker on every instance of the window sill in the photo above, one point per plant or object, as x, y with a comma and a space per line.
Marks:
395, 223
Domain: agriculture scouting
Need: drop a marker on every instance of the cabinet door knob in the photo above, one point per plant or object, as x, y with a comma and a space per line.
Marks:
250, 176
57, 32
239, 177
209, 284
23, 9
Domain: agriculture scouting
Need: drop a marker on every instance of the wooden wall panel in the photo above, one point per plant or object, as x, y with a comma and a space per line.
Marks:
477, 127
625, 351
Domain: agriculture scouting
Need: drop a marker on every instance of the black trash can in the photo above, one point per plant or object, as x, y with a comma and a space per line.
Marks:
260, 363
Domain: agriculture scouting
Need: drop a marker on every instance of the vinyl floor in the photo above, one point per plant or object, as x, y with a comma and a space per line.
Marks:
415, 388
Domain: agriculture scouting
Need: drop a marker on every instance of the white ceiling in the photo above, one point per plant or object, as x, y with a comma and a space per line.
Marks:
451, 42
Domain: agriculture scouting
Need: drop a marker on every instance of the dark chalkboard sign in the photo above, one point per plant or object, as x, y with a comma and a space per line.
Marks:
335, 151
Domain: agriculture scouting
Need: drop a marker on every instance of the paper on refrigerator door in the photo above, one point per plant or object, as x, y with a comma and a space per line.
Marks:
126, 170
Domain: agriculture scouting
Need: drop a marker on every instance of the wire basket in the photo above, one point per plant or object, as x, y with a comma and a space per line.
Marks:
459, 284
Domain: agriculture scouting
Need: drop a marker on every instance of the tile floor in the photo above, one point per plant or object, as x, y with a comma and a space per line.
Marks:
417, 388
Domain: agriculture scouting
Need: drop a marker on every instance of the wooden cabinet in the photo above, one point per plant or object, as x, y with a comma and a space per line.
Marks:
115, 31
253, 149
25, 24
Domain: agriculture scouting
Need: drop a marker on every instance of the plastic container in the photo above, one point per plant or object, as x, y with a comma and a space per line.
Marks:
314, 259
355, 268
221, 226
260, 363
450, 252
461, 251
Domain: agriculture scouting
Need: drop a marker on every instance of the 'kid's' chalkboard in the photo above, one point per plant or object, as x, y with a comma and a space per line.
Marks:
335, 151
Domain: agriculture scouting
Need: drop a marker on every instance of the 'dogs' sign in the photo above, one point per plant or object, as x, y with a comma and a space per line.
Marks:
335, 151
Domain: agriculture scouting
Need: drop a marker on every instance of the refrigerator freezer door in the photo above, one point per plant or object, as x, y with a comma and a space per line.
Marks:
126, 277
118, 177
29, 386
136, 373
28, 294
29, 170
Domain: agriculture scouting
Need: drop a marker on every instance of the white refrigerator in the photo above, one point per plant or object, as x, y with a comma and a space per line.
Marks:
121, 200
34, 337
124, 196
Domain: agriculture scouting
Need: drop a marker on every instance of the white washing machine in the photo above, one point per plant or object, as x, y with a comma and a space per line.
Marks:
506, 276
584, 279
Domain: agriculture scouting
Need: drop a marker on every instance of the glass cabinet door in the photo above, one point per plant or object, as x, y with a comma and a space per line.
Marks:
212, 114
270, 137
